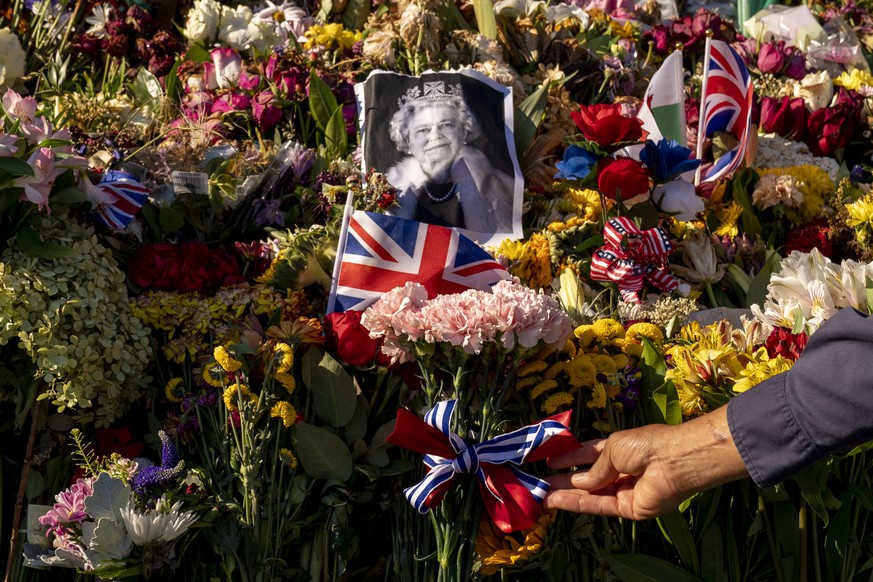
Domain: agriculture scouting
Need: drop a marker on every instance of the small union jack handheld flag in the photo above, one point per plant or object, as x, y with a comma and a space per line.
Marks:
127, 195
378, 253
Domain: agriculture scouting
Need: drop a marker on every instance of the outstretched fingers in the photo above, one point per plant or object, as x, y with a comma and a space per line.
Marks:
587, 453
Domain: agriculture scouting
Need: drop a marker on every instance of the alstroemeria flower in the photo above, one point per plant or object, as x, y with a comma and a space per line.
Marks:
18, 107
605, 125
576, 165
7, 145
41, 130
38, 187
668, 159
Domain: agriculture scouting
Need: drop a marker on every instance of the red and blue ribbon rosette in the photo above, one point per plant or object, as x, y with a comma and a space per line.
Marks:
512, 497
632, 257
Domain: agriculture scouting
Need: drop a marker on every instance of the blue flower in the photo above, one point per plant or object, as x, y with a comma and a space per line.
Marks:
577, 163
165, 475
667, 159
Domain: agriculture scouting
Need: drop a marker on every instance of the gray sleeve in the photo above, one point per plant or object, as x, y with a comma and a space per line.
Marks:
823, 405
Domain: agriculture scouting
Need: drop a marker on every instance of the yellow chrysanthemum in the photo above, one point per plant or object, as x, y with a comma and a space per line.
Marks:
286, 357
287, 457
174, 390
861, 217
586, 202
227, 361
287, 381
557, 400
533, 262
854, 79
646, 330
727, 220
585, 334
527, 382
552, 372
214, 374
630, 346
496, 549
569, 348
598, 396
542, 388
607, 329
234, 392
604, 363
284, 411
534, 367
601, 425
581, 371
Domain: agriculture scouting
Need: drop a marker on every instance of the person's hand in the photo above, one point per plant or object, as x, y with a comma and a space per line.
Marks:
648, 471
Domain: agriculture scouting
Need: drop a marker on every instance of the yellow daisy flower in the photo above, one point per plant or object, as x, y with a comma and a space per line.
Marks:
235, 391
214, 374
556, 401
527, 382
496, 549
287, 457
286, 354
174, 390
286, 380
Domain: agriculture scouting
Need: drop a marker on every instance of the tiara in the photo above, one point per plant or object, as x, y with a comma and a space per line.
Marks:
431, 91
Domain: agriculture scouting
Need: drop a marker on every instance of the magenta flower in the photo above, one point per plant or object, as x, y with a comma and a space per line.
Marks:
771, 57
70, 506
232, 101
266, 110
248, 82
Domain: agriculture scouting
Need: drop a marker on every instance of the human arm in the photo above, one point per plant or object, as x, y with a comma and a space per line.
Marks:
823, 405
647, 471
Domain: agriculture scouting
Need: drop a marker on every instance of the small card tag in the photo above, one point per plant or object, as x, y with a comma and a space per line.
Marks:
191, 183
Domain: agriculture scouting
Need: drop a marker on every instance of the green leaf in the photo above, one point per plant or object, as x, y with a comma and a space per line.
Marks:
589, 243
528, 117
333, 392
53, 143
15, 167
869, 294
739, 277
712, 554
170, 219
172, 80
356, 428
322, 103
659, 399
757, 294
32, 245
146, 87
109, 496
69, 196
675, 528
198, 54
485, 21
397, 467
810, 481
642, 568
336, 136
308, 365
377, 454
837, 537
646, 213
323, 454
356, 13
35, 484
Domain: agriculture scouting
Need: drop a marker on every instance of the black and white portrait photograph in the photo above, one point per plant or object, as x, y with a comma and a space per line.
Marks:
444, 140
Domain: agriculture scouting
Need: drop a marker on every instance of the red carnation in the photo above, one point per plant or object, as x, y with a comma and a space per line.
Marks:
813, 235
622, 176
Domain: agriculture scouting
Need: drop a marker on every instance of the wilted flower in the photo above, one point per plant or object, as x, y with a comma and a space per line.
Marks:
379, 47
784, 116
700, 264
816, 90
772, 190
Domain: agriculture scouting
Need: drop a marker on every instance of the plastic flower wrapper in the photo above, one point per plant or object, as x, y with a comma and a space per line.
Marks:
118, 521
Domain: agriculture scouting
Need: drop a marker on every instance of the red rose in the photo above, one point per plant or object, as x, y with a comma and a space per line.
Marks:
807, 237
605, 125
157, 266
622, 176
830, 128
348, 340
781, 342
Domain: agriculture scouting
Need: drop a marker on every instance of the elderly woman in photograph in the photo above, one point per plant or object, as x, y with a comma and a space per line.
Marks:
443, 180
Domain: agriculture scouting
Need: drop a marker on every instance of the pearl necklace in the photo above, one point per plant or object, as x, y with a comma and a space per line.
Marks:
444, 197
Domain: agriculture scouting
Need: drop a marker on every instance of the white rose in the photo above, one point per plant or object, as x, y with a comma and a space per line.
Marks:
203, 20
12, 58
262, 36
679, 197
234, 26
817, 90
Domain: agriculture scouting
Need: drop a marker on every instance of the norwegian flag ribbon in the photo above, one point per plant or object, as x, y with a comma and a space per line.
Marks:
631, 257
127, 195
511, 496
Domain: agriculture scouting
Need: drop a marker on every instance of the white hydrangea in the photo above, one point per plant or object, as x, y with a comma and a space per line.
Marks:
12, 58
203, 21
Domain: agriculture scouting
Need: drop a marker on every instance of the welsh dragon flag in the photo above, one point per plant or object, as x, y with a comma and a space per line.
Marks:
663, 110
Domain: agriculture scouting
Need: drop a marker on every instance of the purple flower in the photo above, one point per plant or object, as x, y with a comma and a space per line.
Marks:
300, 159
165, 475
796, 66
248, 82
268, 213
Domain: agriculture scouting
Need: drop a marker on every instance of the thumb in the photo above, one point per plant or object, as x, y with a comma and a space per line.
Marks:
601, 474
